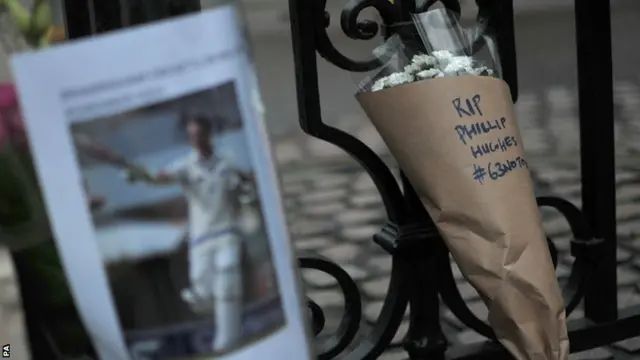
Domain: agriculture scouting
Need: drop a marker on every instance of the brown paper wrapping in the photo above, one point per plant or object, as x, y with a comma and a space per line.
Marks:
490, 222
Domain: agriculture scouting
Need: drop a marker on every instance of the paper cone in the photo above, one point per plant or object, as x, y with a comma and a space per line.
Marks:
457, 140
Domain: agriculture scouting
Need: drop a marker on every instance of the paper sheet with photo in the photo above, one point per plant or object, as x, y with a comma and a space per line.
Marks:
162, 194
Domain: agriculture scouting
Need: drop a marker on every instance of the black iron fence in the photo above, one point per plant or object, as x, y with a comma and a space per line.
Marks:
421, 272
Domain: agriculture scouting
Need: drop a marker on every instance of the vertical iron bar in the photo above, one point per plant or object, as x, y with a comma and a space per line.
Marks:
92, 16
407, 7
425, 339
597, 149
78, 18
305, 64
501, 19
125, 13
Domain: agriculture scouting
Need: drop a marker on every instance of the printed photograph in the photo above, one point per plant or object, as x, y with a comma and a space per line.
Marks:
179, 225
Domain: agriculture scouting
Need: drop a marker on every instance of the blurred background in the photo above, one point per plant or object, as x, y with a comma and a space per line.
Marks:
333, 208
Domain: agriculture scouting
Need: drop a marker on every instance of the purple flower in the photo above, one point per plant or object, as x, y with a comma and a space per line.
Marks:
11, 125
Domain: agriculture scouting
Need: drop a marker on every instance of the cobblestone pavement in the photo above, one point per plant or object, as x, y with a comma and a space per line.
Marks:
334, 211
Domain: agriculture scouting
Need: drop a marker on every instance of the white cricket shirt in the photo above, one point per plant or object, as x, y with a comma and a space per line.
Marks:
211, 188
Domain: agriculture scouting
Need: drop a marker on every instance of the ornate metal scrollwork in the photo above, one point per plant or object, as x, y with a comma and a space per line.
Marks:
353, 28
583, 249
376, 339
398, 237
357, 29
366, 29
350, 322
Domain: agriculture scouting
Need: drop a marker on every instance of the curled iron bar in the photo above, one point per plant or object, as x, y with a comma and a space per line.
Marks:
317, 317
366, 29
305, 50
350, 322
379, 337
583, 249
573, 290
353, 28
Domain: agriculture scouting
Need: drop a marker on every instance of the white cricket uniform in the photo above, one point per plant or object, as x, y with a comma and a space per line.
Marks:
215, 248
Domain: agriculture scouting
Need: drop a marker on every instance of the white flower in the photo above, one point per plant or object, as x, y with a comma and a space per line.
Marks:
456, 71
412, 68
442, 56
440, 63
428, 74
458, 63
392, 80
378, 85
453, 72
419, 63
482, 70
398, 79
424, 61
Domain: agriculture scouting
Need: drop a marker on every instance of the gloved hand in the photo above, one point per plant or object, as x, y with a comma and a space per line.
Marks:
137, 173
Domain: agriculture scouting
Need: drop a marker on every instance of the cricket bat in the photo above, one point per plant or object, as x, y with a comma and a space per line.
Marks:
88, 146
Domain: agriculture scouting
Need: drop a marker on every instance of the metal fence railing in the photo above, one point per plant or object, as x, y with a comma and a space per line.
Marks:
421, 272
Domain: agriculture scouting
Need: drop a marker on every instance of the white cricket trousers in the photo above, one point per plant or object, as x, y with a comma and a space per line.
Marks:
215, 271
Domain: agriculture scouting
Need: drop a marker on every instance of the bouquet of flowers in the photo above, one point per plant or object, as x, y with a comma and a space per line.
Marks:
448, 119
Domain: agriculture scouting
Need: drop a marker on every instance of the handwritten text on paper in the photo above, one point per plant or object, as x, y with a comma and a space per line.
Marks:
486, 137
